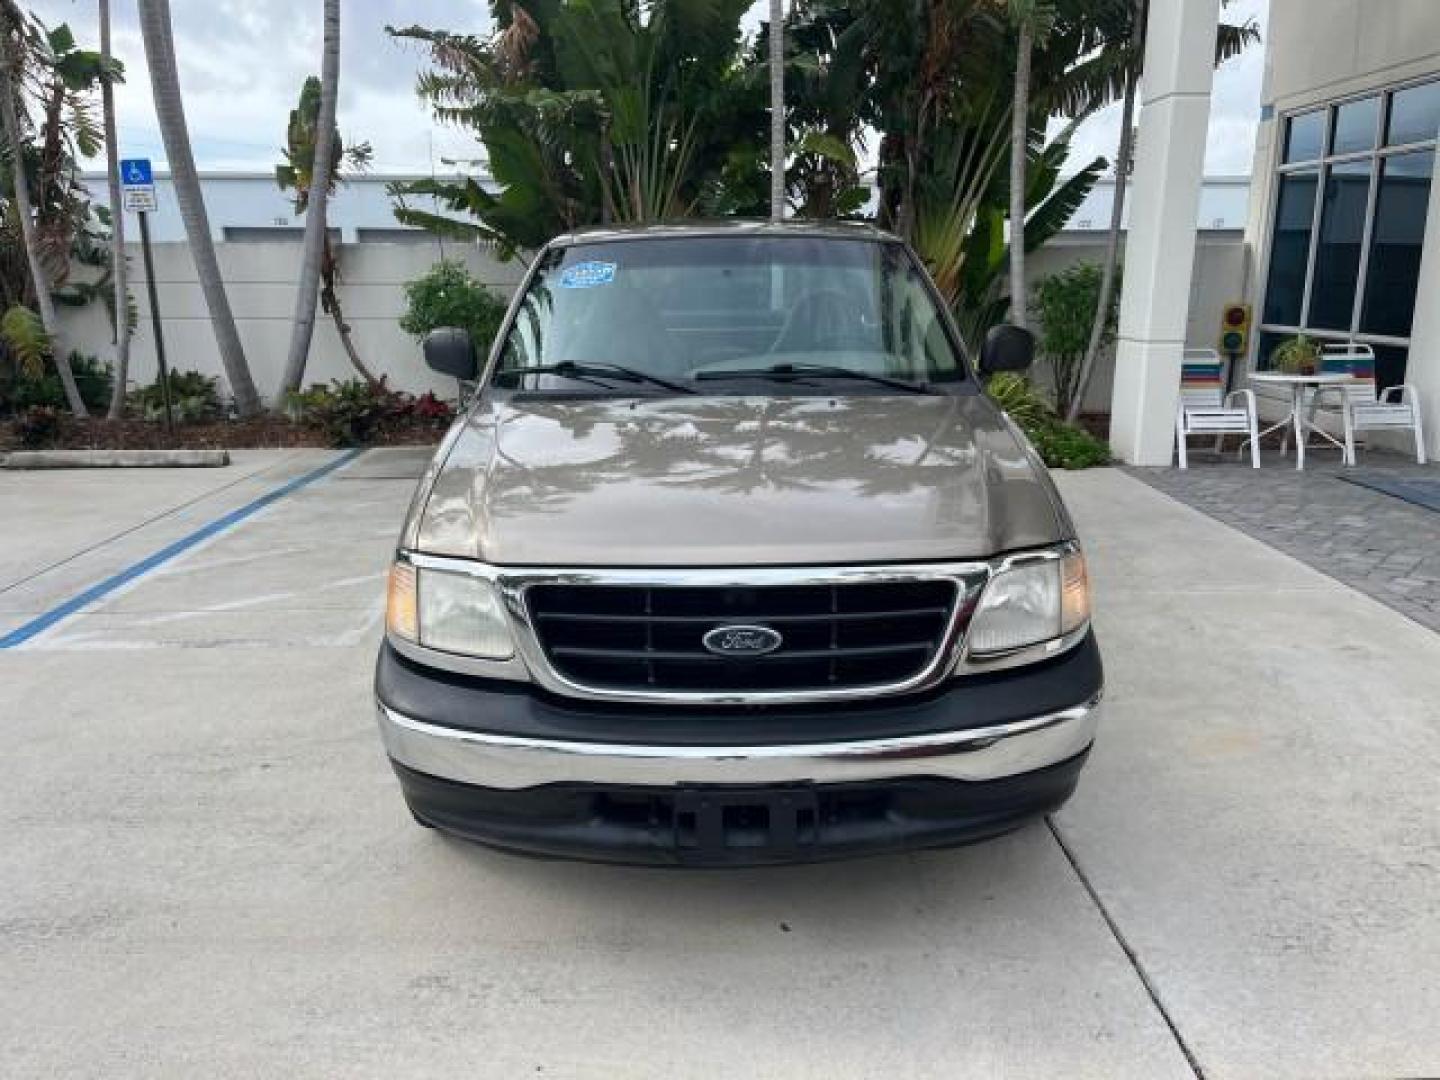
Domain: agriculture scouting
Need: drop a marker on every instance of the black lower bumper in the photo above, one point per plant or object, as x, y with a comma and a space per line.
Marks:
727, 826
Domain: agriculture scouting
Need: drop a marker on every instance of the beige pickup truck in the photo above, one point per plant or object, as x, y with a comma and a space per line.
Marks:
731, 561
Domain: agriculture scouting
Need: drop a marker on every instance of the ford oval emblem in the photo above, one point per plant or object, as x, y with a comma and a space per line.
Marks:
740, 641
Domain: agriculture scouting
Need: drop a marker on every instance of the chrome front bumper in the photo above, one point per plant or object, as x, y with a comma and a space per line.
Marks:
512, 763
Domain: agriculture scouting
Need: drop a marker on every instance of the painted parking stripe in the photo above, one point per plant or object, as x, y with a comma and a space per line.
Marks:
45, 621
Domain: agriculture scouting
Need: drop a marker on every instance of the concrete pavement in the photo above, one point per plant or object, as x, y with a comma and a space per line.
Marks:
207, 868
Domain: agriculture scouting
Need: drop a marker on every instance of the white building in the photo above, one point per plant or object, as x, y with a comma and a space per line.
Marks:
1343, 236
1345, 224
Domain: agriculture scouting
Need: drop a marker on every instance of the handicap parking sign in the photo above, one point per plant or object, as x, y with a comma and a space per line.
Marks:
136, 172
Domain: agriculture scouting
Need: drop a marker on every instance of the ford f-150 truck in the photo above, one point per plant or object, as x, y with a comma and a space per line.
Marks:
731, 560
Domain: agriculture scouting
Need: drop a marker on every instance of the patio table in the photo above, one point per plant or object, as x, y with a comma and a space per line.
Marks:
1298, 384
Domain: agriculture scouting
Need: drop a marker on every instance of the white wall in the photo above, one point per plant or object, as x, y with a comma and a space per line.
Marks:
260, 281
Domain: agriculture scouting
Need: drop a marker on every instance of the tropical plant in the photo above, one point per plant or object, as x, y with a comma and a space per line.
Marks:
1015, 394
120, 302
1063, 306
24, 340
1067, 446
44, 69
21, 389
194, 398
592, 111
300, 173
1060, 445
446, 295
159, 43
933, 80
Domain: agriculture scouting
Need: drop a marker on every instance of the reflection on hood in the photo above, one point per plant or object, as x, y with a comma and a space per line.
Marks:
712, 481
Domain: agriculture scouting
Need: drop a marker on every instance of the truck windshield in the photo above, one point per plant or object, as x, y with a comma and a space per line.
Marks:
720, 314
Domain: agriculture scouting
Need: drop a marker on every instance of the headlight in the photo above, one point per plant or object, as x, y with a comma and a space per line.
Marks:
1031, 603
454, 613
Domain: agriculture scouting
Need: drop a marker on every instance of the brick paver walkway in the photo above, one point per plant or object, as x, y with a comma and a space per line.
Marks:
1381, 545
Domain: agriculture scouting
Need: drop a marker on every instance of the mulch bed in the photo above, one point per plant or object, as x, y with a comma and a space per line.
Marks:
262, 432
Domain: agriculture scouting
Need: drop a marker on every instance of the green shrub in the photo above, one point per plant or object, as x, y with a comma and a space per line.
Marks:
355, 412
1064, 308
447, 295
193, 398
20, 390
1060, 445
1015, 394
349, 412
1065, 446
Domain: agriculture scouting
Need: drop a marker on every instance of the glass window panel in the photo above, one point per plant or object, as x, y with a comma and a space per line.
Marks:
1337, 256
1390, 365
1356, 125
1414, 115
1290, 250
1396, 241
1304, 136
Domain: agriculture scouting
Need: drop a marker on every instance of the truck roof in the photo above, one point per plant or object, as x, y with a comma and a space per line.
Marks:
840, 230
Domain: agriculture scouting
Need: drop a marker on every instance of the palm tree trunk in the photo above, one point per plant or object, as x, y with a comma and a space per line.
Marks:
777, 110
117, 226
1112, 242
9, 116
1019, 149
1112, 251
170, 111
322, 171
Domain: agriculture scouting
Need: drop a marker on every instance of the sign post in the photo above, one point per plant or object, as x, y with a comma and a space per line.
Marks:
137, 183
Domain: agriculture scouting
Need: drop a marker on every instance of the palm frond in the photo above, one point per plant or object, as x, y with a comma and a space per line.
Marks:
23, 335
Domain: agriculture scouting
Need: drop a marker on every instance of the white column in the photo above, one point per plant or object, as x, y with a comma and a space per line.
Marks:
1160, 241
1422, 370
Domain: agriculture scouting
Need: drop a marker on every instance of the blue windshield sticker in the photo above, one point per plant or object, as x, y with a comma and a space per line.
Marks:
587, 275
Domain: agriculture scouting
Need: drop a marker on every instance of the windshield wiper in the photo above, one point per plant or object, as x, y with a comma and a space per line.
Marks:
823, 371
570, 370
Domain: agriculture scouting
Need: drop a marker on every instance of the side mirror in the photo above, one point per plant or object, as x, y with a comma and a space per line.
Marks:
450, 351
1007, 348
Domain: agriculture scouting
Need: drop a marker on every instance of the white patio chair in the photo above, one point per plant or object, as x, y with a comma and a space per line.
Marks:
1205, 409
1359, 406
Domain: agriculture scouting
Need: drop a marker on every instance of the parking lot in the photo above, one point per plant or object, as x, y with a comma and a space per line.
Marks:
206, 868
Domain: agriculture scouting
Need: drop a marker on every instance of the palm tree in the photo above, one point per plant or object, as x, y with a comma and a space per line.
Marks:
777, 110
299, 172
117, 221
316, 193
12, 36
159, 41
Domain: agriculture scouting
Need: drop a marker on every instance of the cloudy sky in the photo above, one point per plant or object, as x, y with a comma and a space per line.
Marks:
242, 63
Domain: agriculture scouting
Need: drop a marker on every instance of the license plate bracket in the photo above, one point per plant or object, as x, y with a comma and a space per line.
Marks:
714, 821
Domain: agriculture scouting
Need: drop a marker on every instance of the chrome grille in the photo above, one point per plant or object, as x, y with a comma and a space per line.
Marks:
842, 635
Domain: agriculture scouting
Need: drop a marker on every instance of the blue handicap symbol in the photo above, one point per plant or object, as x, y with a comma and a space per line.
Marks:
136, 172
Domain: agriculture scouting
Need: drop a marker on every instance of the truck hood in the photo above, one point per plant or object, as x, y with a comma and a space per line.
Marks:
726, 481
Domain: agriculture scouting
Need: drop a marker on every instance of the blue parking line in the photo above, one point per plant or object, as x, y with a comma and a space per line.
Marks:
45, 621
